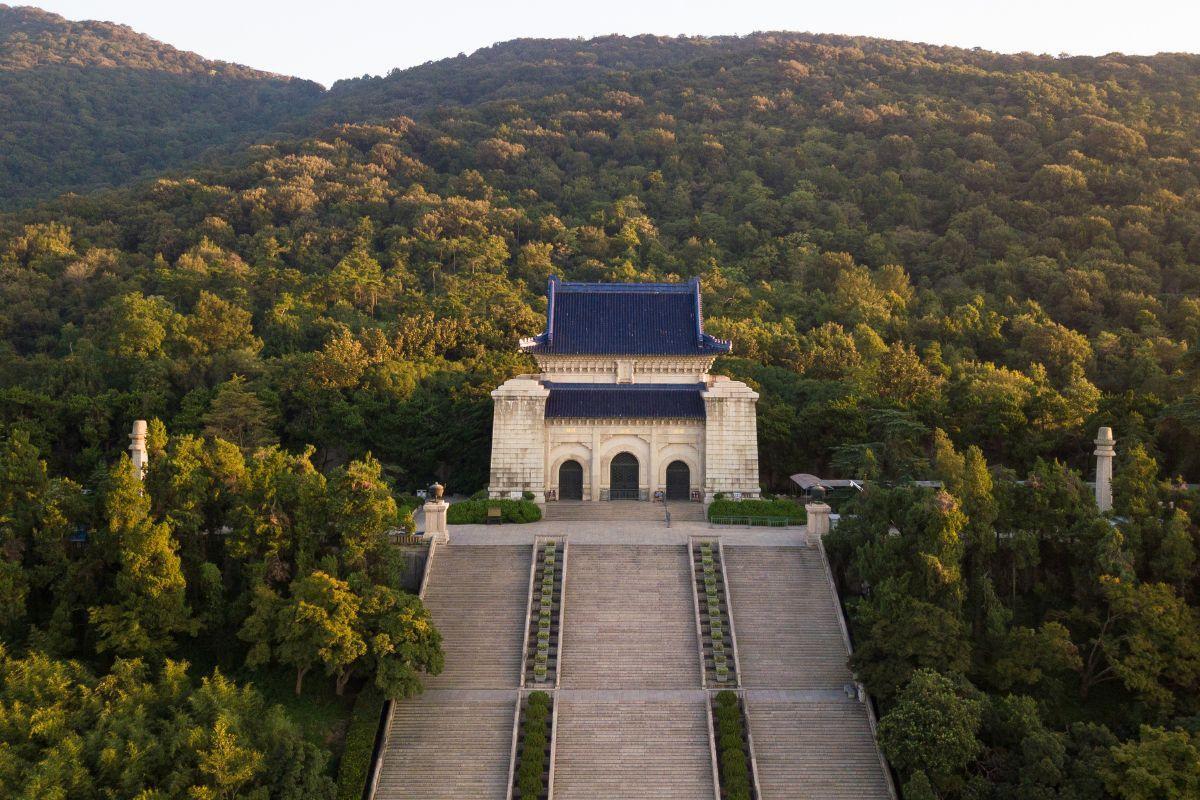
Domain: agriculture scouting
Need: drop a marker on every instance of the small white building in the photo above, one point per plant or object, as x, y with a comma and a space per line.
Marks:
624, 405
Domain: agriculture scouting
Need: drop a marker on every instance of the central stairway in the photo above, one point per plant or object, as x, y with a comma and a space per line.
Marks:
630, 619
655, 750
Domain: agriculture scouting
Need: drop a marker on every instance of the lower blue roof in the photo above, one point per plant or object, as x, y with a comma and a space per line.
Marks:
625, 401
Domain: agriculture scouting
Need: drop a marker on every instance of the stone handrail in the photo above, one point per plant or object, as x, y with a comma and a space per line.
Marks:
866, 699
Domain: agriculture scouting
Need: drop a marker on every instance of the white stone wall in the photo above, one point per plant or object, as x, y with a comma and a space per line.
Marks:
519, 438
721, 451
595, 442
731, 439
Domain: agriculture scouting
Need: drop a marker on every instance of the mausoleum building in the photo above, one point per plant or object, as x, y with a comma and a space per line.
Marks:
623, 406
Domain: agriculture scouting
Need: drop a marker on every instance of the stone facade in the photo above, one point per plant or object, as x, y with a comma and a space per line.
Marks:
690, 433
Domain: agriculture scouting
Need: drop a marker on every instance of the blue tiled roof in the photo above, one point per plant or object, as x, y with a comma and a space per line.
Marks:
624, 319
624, 401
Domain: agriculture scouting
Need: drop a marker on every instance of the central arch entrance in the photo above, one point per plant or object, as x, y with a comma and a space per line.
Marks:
570, 480
679, 481
623, 478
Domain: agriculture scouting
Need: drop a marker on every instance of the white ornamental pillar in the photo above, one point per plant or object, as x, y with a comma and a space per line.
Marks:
435, 516
1105, 450
137, 449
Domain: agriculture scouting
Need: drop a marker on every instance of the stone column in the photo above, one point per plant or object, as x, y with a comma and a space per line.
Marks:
730, 439
1105, 450
818, 518
519, 439
652, 466
137, 448
435, 516
594, 469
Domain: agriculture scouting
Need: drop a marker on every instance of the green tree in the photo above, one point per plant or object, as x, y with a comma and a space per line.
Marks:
1147, 638
932, 728
402, 643
1158, 765
146, 604
237, 415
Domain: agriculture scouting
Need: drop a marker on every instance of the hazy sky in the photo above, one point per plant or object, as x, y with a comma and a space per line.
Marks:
325, 40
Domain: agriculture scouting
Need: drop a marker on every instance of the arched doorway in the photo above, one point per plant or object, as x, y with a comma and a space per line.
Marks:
679, 481
570, 481
623, 477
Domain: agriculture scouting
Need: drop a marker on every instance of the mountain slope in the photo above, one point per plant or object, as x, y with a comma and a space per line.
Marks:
91, 104
897, 237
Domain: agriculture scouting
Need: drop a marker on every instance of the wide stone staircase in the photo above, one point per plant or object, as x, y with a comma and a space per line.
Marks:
631, 714
629, 619
787, 628
439, 747
815, 751
477, 596
651, 750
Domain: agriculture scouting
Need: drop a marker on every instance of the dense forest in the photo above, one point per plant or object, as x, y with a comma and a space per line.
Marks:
85, 105
933, 263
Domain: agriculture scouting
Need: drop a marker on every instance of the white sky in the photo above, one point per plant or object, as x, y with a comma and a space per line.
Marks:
325, 40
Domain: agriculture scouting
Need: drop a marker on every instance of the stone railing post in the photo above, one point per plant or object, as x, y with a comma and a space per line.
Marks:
818, 518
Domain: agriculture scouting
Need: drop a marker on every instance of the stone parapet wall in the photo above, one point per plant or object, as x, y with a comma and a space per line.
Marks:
624, 369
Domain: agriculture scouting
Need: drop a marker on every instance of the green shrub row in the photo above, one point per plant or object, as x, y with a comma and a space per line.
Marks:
756, 508
355, 765
731, 751
474, 512
716, 622
546, 611
531, 759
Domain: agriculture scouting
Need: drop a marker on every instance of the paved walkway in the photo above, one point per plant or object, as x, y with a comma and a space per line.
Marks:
610, 532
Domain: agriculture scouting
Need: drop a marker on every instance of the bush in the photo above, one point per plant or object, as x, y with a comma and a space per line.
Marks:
474, 512
735, 769
527, 495
355, 765
531, 764
776, 509
408, 502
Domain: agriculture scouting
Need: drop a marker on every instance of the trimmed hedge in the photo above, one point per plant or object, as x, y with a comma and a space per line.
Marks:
355, 766
474, 512
756, 508
731, 751
531, 761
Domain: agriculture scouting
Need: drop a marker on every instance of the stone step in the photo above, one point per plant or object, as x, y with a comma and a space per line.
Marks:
788, 636
629, 619
815, 751
621, 511
441, 749
477, 596
633, 751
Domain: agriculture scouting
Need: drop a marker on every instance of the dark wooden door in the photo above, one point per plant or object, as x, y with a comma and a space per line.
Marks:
623, 477
570, 481
679, 481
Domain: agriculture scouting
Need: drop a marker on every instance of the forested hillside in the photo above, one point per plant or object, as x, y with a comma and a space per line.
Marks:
85, 105
933, 263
